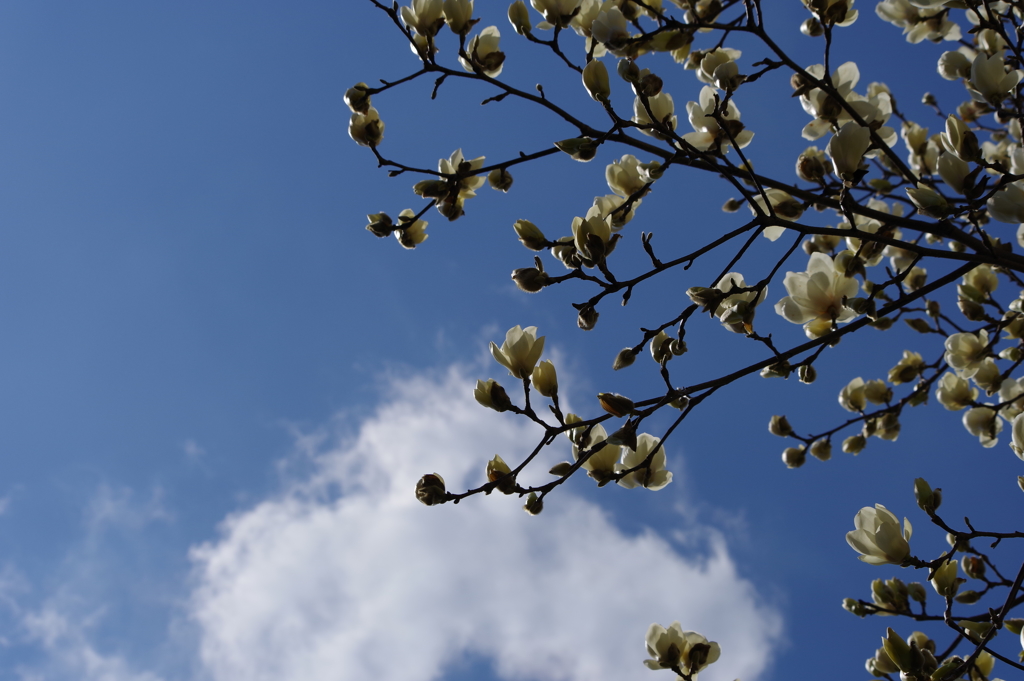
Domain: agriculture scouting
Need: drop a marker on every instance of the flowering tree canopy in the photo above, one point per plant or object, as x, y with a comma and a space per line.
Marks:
880, 225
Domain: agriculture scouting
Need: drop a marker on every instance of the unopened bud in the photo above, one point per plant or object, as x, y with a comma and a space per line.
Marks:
807, 373
929, 99
357, 98
430, 489
534, 504
628, 70
779, 425
794, 457
595, 79
380, 224
854, 444
615, 404
974, 567
519, 17
530, 279
821, 449
928, 500
919, 325
498, 471
579, 148
625, 358
812, 28
530, 235
731, 206
561, 469
500, 179
587, 318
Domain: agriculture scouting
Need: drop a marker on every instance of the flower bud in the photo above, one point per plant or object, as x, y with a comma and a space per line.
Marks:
380, 224
561, 469
430, 489
545, 380
615, 404
945, 580
821, 449
500, 179
778, 370
628, 70
581, 149
432, 189
812, 28
928, 500
854, 606
357, 98
587, 318
491, 395
498, 470
975, 631
731, 206
519, 17
794, 457
779, 425
534, 504
968, 597
708, 298
683, 401
530, 279
595, 79
649, 85
898, 651
530, 235
974, 567
1014, 625
625, 358
919, 325
916, 591
854, 444
807, 373
810, 165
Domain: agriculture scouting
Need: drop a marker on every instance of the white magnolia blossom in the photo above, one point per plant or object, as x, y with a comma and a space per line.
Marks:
664, 113
708, 134
953, 172
607, 208
736, 311
424, 17
817, 297
602, 463
595, 80
367, 129
783, 205
960, 140
520, 351
611, 29
1017, 445
965, 352
822, 106
556, 12
591, 235
1007, 205
990, 82
457, 163
985, 424
878, 538
484, 53
458, 14
623, 176
954, 393
414, 234
718, 67
654, 477
956, 64
1010, 392
847, 148
919, 24
928, 201
674, 647
836, 12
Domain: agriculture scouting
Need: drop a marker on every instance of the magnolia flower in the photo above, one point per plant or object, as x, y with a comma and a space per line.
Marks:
674, 647
601, 464
556, 12
931, 23
545, 380
591, 235
878, 538
824, 107
783, 205
520, 351
367, 129
595, 79
960, 140
424, 17
484, 53
953, 171
907, 369
1010, 392
459, 15
851, 397
410, 233
623, 176
736, 311
664, 113
836, 12
610, 29
718, 68
708, 133
458, 165
965, 352
817, 297
1017, 443
954, 65
928, 201
990, 83
985, 424
654, 477
955, 393
846, 148
519, 17
607, 208
1007, 205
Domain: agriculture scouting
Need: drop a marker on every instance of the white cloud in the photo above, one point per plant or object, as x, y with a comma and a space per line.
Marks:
344, 576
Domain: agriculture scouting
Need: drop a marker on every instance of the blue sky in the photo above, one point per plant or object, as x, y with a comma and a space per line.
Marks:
218, 388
